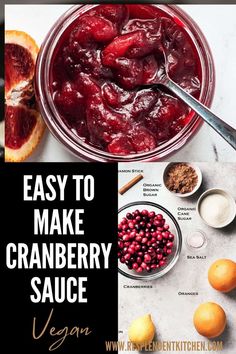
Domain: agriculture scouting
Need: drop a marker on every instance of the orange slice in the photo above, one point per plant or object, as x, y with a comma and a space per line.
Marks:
24, 126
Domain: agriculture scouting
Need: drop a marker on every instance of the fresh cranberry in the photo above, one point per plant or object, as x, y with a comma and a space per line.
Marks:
126, 238
157, 223
144, 212
147, 258
132, 234
153, 266
169, 244
142, 224
144, 248
131, 225
159, 217
162, 263
123, 221
139, 270
139, 260
120, 244
129, 216
135, 266
171, 237
165, 234
144, 265
127, 256
155, 244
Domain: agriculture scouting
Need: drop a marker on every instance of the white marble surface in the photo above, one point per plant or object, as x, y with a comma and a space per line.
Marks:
172, 313
218, 23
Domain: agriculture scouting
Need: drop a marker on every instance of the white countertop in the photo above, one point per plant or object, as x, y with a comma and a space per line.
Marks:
218, 23
172, 313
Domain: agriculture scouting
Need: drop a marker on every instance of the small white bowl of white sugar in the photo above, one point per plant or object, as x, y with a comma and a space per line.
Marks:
216, 208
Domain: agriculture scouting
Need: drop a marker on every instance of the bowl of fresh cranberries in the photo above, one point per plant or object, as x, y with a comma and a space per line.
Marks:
91, 74
149, 240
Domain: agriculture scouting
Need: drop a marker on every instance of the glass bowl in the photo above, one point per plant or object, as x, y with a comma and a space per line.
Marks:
88, 152
174, 228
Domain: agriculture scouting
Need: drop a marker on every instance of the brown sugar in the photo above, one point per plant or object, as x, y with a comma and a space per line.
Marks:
181, 178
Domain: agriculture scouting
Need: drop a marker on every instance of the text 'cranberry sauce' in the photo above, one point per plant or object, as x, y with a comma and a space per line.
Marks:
97, 69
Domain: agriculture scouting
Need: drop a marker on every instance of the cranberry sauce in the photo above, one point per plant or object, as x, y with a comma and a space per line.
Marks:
97, 69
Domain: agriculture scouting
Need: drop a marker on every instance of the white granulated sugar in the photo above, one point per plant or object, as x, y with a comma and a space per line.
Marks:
215, 209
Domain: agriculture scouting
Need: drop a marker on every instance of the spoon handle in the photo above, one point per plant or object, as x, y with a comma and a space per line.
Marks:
226, 131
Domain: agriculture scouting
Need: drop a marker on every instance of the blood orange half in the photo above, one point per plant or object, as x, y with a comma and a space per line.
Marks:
23, 123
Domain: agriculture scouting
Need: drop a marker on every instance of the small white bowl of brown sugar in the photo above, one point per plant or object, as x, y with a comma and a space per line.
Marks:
182, 178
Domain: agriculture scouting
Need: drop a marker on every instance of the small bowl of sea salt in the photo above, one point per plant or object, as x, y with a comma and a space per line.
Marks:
196, 240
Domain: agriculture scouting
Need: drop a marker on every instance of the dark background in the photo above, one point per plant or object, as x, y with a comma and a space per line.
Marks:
100, 313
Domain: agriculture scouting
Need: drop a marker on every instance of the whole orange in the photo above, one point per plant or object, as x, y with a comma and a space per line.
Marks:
209, 320
222, 275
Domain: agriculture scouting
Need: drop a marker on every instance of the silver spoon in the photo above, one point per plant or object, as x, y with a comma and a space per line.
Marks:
225, 130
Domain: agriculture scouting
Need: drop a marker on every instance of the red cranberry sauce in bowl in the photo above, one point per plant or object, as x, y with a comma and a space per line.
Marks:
97, 67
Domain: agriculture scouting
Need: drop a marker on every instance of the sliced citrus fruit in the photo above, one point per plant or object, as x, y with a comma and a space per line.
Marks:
23, 124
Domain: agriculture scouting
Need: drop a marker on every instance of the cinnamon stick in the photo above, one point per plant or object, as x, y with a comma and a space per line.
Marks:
130, 184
